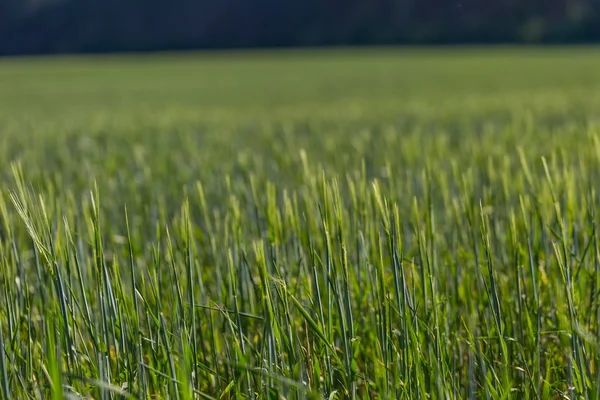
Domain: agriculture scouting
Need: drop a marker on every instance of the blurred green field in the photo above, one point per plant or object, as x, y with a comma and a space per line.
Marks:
318, 224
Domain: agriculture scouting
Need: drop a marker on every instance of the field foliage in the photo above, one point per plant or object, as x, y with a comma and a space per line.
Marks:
327, 224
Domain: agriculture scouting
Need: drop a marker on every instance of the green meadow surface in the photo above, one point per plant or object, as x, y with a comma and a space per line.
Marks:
342, 224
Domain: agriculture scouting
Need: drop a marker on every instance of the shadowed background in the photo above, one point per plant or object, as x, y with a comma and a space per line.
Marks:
67, 26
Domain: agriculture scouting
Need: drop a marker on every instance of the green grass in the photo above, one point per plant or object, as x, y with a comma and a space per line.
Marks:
330, 224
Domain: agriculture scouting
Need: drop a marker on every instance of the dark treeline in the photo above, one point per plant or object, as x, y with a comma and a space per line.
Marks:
68, 26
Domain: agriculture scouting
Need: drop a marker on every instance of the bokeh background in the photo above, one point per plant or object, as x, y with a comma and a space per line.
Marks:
74, 26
